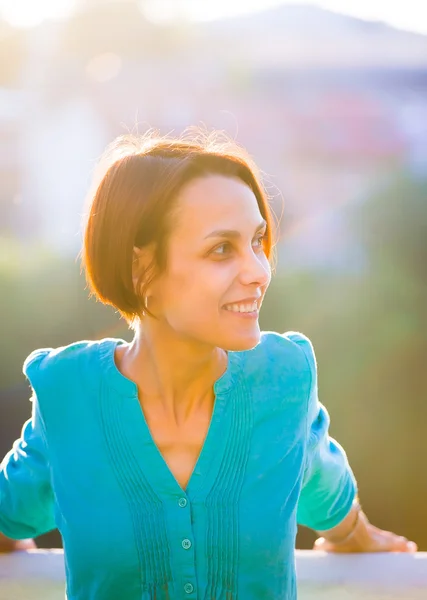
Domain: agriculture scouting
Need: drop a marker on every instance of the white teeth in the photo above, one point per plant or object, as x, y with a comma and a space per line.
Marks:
242, 307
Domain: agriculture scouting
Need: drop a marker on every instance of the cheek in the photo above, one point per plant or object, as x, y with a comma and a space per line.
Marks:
199, 288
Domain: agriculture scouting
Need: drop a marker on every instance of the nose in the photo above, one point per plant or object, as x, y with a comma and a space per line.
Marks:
255, 269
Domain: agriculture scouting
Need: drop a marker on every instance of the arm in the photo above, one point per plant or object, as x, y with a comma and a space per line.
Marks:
329, 487
26, 496
9, 545
328, 502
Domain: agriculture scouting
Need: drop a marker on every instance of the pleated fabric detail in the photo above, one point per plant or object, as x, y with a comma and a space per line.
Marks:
222, 535
146, 508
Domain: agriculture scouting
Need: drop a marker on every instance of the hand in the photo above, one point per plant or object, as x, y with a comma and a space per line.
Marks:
367, 538
9, 545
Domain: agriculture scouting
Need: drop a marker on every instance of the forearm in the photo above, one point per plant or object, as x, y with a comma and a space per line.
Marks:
354, 525
10, 545
356, 534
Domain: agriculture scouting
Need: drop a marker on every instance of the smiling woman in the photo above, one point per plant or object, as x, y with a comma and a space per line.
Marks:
211, 184
179, 465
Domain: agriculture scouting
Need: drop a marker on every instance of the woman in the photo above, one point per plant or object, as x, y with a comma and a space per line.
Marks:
178, 466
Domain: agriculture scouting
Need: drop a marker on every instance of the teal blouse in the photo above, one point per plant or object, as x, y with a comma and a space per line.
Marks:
86, 463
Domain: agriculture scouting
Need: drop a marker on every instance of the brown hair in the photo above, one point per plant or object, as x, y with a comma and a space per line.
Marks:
132, 204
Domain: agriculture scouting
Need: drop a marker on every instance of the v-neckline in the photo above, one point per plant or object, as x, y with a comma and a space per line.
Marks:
144, 448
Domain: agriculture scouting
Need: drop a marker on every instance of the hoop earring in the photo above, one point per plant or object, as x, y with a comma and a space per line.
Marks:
144, 303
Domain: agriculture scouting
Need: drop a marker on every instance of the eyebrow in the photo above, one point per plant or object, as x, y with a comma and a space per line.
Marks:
232, 233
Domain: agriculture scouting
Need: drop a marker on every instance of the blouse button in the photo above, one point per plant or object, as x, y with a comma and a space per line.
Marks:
182, 502
186, 544
188, 588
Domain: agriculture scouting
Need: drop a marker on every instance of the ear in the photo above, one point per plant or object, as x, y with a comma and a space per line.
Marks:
137, 262
141, 260
137, 254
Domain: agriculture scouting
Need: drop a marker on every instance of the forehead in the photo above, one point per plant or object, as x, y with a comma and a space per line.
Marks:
216, 202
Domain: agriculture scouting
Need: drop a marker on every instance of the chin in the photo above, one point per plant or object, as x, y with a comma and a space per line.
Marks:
241, 343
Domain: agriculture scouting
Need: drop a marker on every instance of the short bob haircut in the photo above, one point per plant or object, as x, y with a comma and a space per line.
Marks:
134, 194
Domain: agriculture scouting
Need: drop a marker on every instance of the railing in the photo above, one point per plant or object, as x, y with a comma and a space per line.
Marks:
39, 575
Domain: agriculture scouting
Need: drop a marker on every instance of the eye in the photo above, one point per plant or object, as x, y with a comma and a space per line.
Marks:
258, 242
222, 250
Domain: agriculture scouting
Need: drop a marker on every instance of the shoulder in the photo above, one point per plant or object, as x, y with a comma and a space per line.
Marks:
291, 345
47, 366
281, 356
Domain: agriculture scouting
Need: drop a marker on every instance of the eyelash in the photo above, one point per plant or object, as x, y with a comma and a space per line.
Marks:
260, 239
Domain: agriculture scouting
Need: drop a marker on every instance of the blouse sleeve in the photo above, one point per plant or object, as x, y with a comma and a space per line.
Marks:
26, 496
329, 486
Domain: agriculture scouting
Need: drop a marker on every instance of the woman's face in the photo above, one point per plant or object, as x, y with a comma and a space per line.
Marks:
217, 272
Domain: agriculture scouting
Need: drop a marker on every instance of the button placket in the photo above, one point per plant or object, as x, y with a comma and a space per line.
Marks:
183, 530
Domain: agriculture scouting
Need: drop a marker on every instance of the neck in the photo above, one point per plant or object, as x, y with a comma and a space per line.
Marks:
175, 376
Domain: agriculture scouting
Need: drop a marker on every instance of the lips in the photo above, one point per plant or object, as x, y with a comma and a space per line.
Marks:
249, 300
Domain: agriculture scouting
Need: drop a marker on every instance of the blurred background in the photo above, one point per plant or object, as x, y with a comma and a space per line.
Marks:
330, 98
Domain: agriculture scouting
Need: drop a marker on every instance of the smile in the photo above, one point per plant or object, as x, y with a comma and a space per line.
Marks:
242, 308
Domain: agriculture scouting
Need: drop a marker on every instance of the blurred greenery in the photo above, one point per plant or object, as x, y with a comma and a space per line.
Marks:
370, 336
368, 329
44, 303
